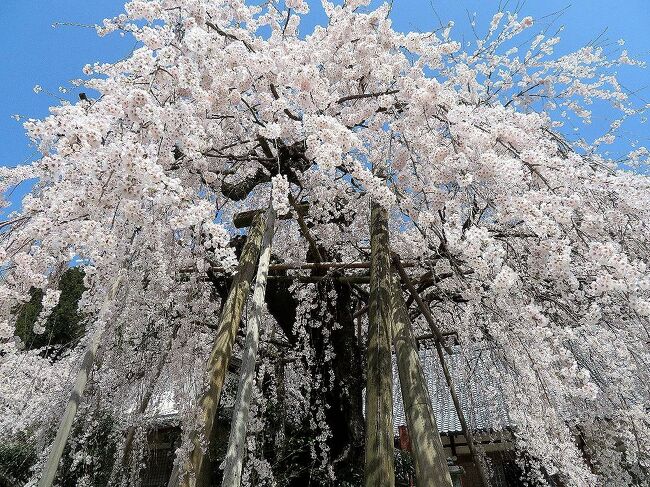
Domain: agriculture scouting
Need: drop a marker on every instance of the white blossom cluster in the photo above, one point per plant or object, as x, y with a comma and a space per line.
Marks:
49, 301
280, 191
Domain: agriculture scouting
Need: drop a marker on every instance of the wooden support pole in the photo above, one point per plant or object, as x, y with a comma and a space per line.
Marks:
379, 455
306, 266
423, 307
62, 434
428, 453
239, 425
326, 265
450, 383
424, 281
461, 417
195, 470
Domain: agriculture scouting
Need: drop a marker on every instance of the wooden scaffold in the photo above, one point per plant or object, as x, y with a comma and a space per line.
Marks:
389, 331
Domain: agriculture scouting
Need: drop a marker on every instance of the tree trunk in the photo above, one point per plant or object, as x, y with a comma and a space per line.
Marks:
62, 434
333, 332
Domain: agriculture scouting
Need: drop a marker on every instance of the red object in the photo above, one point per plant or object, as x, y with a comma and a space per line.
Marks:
404, 438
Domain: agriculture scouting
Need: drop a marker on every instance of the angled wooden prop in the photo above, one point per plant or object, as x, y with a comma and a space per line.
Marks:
195, 471
239, 425
428, 453
424, 309
62, 434
450, 383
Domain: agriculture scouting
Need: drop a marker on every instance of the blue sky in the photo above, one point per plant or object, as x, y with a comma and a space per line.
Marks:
33, 52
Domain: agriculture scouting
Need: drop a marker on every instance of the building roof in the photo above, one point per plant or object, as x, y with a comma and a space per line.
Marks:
477, 387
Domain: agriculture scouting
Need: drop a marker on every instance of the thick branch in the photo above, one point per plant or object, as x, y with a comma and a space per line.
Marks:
245, 218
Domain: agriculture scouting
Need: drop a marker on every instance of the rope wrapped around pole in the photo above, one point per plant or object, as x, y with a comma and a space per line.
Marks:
239, 425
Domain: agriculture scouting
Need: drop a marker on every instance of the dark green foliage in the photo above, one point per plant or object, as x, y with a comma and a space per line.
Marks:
16, 459
65, 324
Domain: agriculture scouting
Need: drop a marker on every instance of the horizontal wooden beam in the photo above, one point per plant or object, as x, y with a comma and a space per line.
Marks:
320, 265
326, 265
311, 266
431, 336
315, 279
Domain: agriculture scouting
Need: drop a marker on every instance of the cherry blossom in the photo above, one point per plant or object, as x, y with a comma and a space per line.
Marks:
540, 244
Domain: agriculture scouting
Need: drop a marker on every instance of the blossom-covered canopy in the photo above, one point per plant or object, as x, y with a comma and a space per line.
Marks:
534, 246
